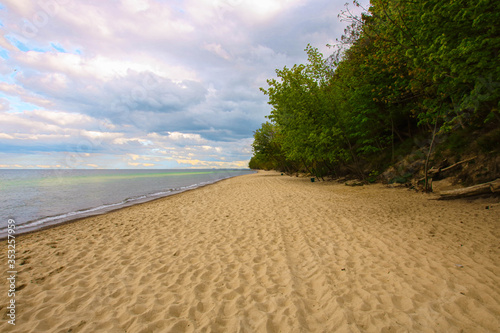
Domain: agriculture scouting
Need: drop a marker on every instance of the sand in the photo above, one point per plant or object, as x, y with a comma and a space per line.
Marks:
266, 253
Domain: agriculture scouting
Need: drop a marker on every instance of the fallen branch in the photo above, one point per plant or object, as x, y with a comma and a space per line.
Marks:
457, 164
436, 171
486, 188
495, 186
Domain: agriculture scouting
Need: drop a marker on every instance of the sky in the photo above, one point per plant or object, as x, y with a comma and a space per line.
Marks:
146, 83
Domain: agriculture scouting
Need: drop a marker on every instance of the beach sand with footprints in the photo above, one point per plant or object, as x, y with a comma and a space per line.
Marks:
265, 253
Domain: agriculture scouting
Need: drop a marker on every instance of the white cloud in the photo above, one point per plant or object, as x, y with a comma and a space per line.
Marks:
135, 6
217, 49
182, 136
4, 104
24, 95
65, 66
157, 79
61, 118
6, 136
99, 135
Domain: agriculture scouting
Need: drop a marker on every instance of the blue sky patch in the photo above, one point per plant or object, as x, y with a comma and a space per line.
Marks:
58, 47
4, 54
21, 46
17, 105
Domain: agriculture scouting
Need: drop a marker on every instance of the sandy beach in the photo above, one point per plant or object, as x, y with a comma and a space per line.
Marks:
265, 253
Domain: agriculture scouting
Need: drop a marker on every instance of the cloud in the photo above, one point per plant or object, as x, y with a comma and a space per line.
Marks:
4, 104
24, 94
141, 164
175, 83
218, 50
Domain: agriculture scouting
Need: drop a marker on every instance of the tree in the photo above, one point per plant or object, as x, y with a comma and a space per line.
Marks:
402, 66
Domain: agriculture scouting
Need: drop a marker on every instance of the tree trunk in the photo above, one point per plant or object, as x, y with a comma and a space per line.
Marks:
426, 167
486, 188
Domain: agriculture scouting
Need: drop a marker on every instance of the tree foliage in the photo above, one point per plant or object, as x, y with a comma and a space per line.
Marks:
401, 67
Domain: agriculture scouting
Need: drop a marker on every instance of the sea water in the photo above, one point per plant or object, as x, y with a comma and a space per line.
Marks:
37, 198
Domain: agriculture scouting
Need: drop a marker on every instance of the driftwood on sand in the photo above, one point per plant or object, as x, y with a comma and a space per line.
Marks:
486, 188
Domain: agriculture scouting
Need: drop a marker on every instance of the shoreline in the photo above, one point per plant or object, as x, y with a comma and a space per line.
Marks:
103, 211
265, 253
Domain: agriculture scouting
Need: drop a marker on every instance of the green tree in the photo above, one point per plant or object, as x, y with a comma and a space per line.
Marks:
267, 150
402, 66
304, 112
